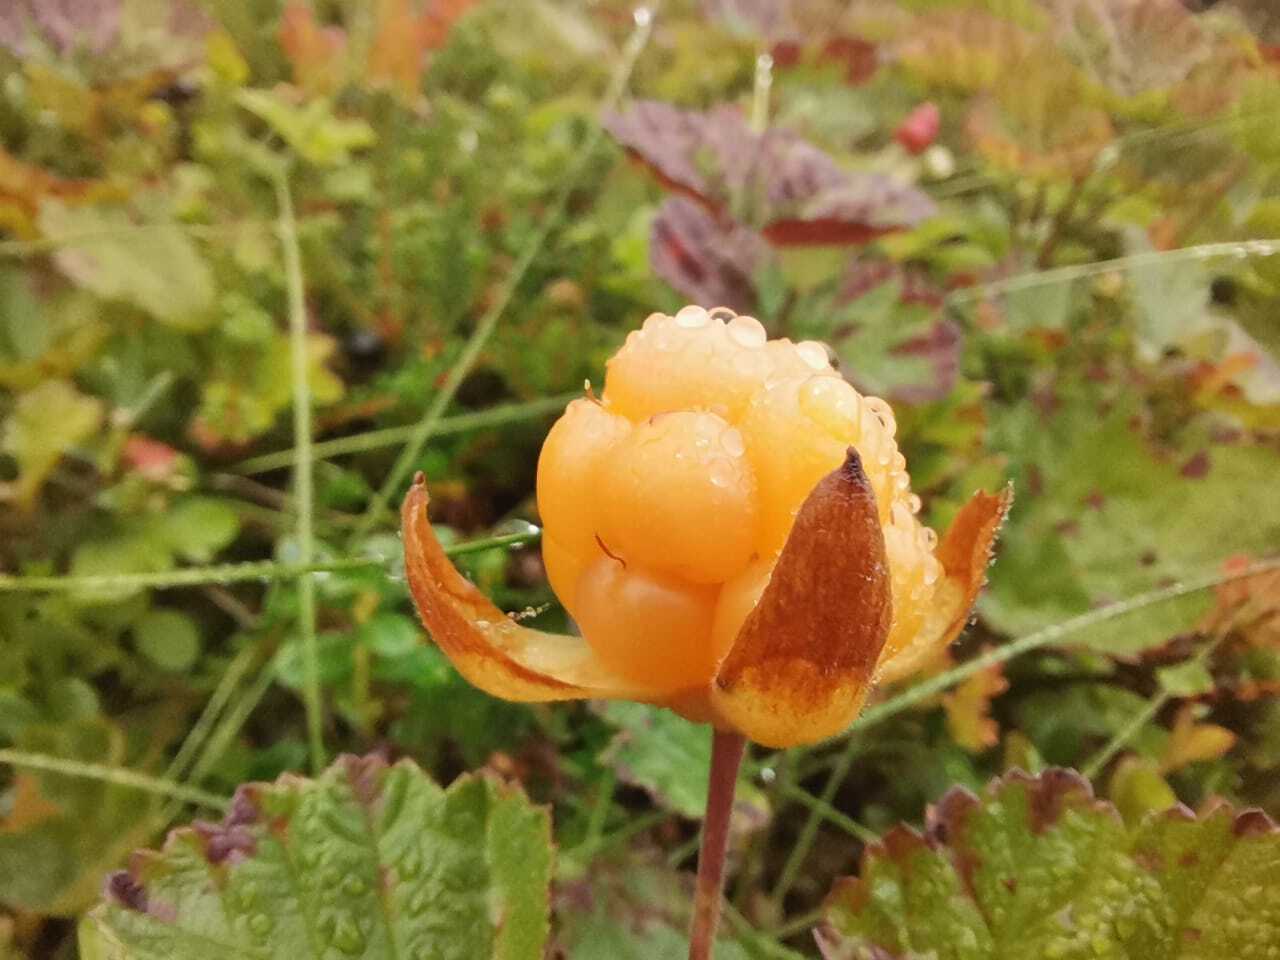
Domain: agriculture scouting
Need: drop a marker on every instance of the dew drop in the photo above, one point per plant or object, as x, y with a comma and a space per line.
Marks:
722, 473
749, 332
814, 354
692, 318
832, 404
732, 443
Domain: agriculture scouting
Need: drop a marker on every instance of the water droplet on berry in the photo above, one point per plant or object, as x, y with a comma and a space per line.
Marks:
814, 354
722, 473
748, 332
732, 443
833, 405
692, 318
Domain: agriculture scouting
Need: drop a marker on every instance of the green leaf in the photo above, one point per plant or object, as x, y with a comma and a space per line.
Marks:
390, 635
168, 639
60, 833
311, 128
47, 421
197, 528
153, 265
1061, 553
1189, 679
1038, 867
366, 861
635, 908
664, 754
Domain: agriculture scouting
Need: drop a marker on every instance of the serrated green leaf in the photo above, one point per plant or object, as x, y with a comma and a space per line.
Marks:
366, 861
1038, 867
1060, 555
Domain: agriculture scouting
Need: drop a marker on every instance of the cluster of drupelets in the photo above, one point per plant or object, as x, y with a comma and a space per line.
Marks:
672, 494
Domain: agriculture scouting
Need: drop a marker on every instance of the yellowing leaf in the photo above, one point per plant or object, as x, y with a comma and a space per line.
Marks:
403, 38
1250, 606
28, 807
1191, 742
46, 422
968, 709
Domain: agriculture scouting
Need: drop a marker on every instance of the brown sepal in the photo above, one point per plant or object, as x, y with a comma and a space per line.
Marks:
799, 669
493, 652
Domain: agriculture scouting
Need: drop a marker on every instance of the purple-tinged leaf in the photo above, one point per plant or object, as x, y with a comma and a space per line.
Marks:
796, 193
709, 261
1038, 867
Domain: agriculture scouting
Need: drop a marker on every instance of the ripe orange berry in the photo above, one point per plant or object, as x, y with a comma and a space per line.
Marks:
676, 491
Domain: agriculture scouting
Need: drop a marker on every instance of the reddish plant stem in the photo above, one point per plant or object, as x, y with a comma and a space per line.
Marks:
726, 758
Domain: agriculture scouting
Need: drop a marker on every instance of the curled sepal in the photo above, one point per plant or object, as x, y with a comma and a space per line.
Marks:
491, 650
800, 667
965, 553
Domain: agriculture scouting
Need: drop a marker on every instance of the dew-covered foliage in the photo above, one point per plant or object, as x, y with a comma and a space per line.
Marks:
261, 261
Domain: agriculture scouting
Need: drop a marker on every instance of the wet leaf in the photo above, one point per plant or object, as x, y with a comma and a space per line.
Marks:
1038, 867
369, 860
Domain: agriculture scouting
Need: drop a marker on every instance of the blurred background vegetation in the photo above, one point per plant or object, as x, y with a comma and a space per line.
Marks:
261, 260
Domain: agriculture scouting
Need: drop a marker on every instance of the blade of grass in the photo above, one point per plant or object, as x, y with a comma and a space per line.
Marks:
1070, 274
264, 571
223, 573
204, 724
119, 776
424, 429
929, 688
1140, 719
227, 728
303, 490
394, 436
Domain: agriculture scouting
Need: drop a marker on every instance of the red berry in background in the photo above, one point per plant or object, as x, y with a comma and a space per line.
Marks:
151, 459
920, 128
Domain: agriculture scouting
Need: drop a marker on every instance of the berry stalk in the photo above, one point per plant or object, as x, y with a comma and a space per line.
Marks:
726, 759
